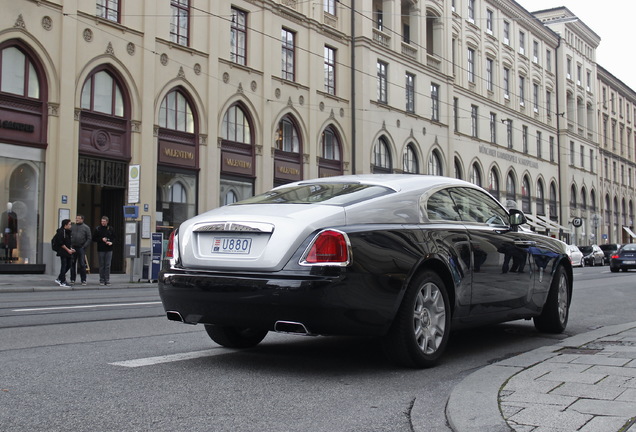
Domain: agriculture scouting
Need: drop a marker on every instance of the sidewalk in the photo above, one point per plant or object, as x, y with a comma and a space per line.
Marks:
586, 383
44, 282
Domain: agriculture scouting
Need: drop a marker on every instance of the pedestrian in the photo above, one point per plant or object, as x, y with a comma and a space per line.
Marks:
81, 239
104, 236
65, 252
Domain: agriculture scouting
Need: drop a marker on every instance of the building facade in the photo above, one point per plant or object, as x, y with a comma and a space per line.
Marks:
180, 106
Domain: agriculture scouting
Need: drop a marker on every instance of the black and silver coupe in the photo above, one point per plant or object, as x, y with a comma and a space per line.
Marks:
406, 258
624, 258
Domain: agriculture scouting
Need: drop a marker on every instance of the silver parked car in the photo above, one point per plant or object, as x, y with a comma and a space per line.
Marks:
576, 256
407, 258
592, 255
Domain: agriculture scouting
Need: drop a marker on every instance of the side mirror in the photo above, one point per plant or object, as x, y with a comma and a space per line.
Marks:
517, 218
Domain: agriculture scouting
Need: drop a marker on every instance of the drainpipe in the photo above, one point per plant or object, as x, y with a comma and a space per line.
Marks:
353, 87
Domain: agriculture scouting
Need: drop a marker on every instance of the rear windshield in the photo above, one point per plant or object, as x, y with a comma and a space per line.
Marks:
608, 247
585, 249
341, 194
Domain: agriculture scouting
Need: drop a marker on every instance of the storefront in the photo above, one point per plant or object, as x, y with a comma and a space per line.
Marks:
23, 131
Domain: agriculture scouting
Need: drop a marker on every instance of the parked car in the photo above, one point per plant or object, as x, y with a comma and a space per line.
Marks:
609, 249
404, 257
576, 256
592, 255
624, 259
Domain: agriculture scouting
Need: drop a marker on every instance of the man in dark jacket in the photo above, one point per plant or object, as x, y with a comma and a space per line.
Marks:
104, 236
81, 238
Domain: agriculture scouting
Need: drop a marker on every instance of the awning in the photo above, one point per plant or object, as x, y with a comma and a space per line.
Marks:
553, 225
630, 232
533, 223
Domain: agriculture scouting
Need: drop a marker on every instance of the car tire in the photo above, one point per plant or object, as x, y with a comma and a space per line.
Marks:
582, 262
614, 269
235, 337
556, 310
419, 334
592, 263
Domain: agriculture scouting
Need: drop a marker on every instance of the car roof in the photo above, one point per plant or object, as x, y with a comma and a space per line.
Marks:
397, 182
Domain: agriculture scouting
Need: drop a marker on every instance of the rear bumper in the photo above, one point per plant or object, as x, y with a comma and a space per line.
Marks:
323, 304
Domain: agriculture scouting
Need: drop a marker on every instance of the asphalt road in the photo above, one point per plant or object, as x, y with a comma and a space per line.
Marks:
109, 360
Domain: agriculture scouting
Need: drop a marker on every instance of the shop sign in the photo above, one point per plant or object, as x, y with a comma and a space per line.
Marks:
177, 154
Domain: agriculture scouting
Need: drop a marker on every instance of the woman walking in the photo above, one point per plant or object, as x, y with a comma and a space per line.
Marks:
65, 252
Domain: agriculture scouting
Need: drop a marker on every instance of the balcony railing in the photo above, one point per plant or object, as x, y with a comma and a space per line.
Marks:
409, 50
381, 38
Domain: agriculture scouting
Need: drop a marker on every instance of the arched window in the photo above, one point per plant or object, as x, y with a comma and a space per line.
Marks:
493, 183
381, 156
615, 211
102, 94
458, 169
624, 212
475, 174
583, 199
540, 198
175, 113
330, 144
608, 210
19, 74
236, 126
592, 201
230, 197
631, 214
178, 193
435, 164
525, 195
511, 187
553, 202
287, 136
410, 163
573, 197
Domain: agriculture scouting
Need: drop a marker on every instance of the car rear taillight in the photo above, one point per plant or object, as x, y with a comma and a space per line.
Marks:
170, 248
329, 247
614, 256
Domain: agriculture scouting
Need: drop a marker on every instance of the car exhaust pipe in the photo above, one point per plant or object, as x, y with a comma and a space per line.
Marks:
174, 316
291, 328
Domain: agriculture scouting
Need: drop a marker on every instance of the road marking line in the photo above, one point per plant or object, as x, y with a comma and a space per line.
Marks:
149, 361
85, 306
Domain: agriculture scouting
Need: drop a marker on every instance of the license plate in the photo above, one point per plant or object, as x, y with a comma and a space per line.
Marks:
231, 245
629, 262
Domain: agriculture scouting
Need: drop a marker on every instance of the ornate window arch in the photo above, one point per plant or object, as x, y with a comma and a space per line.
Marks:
435, 164
175, 112
540, 200
102, 93
411, 164
493, 183
525, 195
475, 174
382, 162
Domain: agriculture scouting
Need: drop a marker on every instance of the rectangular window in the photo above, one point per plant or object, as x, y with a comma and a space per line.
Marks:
568, 69
535, 97
379, 19
539, 145
180, 23
548, 103
592, 160
551, 149
582, 156
489, 74
522, 43
435, 102
329, 6
489, 21
456, 114
330, 70
108, 9
548, 60
238, 37
471, 65
524, 138
471, 10
493, 128
474, 120
535, 51
506, 32
509, 133
606, 167
522, 90
571, 152
578, 74
506, 81
288, 54
410, 92
382, 82
588, 85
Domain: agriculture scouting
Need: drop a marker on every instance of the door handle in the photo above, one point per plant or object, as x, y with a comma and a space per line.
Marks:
525, 243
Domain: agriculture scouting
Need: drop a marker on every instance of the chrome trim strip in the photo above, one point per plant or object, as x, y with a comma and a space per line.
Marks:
235, 227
